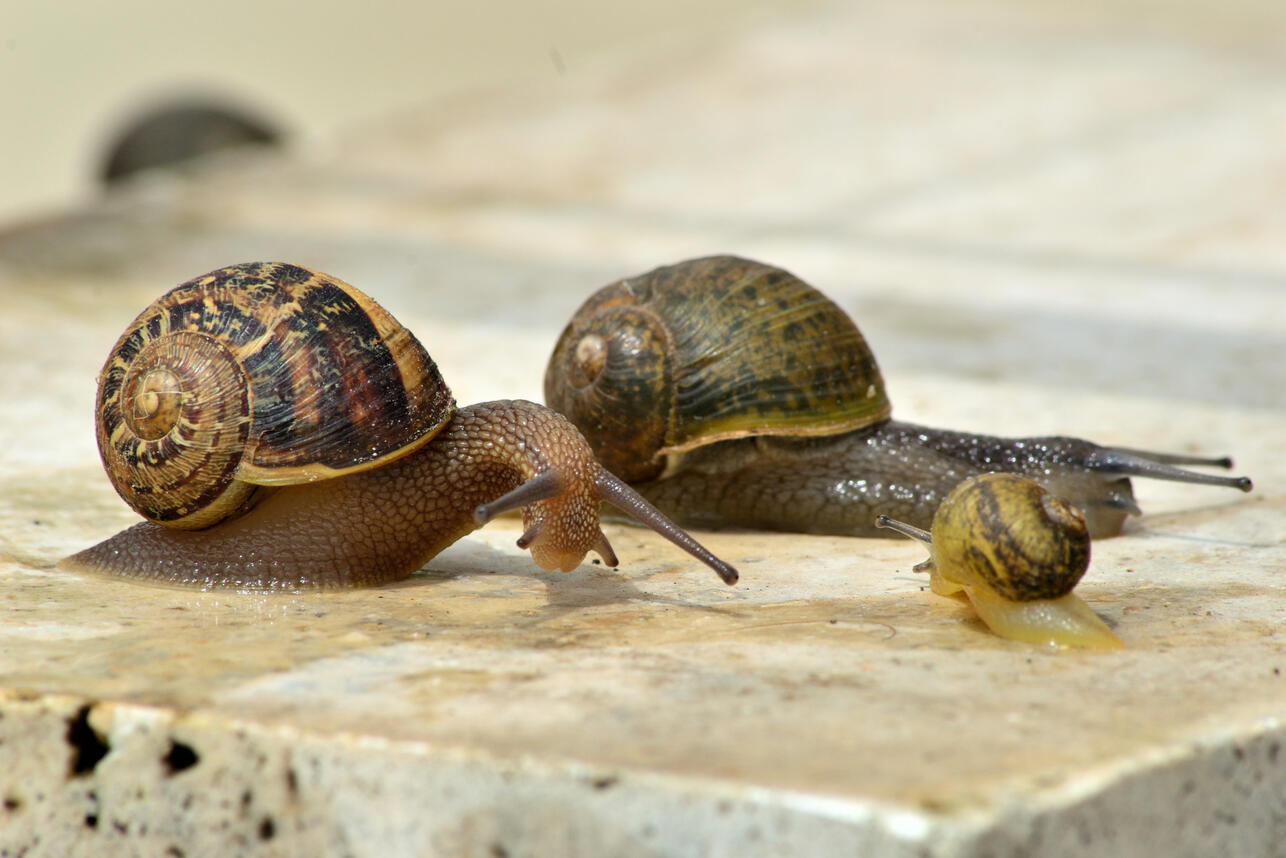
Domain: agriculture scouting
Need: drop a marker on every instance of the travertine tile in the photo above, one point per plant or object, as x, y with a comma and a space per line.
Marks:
1034, 234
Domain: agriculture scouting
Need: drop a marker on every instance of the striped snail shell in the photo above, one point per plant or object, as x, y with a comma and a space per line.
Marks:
259, 374
709, 350
1009, 535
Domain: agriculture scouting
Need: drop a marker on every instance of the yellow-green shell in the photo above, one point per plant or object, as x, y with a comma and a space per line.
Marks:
258, 374
1008, 535
707, 350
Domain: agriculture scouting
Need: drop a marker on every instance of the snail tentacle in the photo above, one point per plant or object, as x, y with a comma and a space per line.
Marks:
1163, 466
626, 499
903, 528
541, 487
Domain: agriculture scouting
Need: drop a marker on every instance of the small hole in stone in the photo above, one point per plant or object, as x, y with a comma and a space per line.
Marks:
267, 828
179, 757
89, 749
91, 820
12, 802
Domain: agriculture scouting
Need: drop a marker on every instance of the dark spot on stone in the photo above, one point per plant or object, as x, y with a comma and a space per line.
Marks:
499, 851
175, 852
179, 758
1273, 750
91, 820
292, 782
267, 828
87, 747
121, 827
247, 798
606, 782
12, 803
1238, 754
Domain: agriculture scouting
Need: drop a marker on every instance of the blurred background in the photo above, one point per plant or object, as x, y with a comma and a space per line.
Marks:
74, 80
1122, 159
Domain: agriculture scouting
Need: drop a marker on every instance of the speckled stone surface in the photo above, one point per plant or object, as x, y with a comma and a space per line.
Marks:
1065, 221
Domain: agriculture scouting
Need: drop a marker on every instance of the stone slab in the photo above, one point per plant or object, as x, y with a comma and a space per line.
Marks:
1064, 222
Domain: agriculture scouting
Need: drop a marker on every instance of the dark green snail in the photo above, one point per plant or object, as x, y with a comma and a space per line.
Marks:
731, 393
1016, 551
279, 429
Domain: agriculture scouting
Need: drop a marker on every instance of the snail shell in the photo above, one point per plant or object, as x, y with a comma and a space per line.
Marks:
669, 361
260, 374
1009, 535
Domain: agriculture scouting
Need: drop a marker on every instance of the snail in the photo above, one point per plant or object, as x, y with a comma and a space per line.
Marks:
1016, 551
279, 429
731, 393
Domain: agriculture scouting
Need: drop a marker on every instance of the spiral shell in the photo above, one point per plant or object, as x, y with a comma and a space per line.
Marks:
255, 375
1009, 535
707, 350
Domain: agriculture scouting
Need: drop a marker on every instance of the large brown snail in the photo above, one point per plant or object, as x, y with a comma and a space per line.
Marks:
1016, 551
730, 392
279, 429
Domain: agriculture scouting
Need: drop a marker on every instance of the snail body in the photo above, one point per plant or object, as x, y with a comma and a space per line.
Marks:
279, 429
731, 393
1016, 551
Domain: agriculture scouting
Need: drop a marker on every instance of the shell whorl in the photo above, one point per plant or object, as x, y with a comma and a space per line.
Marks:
1010, 535
734, 348
258, 374
612, 376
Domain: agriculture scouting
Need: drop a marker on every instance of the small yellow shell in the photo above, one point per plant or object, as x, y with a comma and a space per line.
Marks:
1007, 534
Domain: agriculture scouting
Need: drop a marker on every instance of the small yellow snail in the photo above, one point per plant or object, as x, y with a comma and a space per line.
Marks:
1016, 551
729, 392
279, 429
